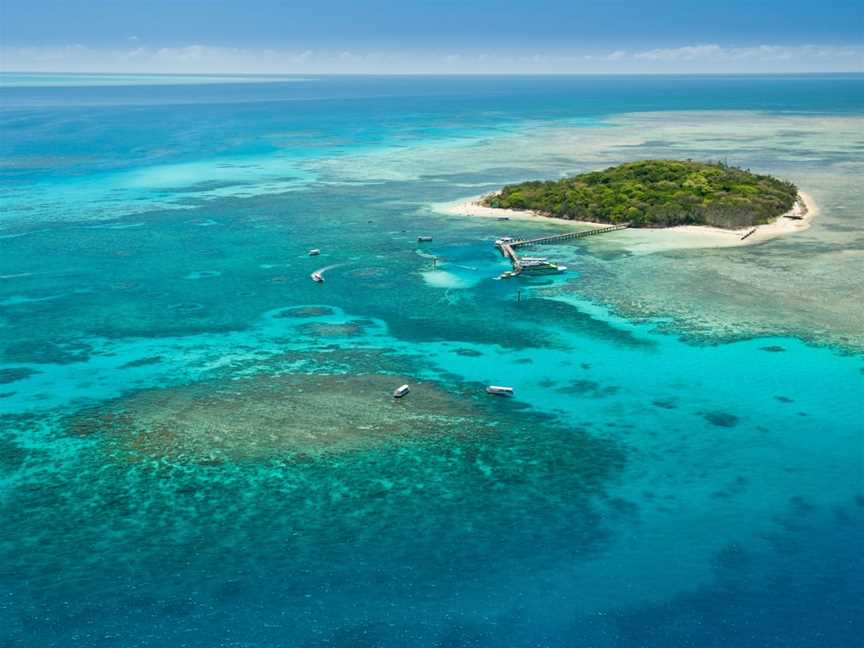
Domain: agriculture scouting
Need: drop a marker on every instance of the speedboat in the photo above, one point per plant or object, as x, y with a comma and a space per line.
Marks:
317, 276
314, 252
497, 390
401, 391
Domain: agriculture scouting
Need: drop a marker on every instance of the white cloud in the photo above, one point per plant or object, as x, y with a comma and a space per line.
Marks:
714, 54
686, 53
202, 58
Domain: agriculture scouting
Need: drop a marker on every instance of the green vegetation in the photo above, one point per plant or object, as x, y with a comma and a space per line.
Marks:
657, 193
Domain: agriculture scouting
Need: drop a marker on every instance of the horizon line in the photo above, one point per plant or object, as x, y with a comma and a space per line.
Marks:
427, 74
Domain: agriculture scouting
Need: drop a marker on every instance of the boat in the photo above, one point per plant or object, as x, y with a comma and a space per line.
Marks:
424, 239
317, 276
401, 391
540, 266
503, 218
498, 390
314, 252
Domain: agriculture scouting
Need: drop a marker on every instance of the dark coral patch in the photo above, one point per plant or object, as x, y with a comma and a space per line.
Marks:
142, 362
48, 352
11, 455
732, 556
306, 311
664, 403
468, 353
15, 374
720, 419
589, 388
784, 399
772, 349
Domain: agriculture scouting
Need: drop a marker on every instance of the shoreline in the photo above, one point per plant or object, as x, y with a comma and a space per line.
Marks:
797, 219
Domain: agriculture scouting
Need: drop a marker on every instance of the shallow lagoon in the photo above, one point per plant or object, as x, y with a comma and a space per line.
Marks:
668, 474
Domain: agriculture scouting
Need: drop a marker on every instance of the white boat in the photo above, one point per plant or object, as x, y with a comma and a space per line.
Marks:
314, 252
317, 276
540, 266
401, 391
497, 390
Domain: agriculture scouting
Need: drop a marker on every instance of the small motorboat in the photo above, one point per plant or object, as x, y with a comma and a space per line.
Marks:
317, 276
314, 252
503, 218
497, 390
401, 391
424, 239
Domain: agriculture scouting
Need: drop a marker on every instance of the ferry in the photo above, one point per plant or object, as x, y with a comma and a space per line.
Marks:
540, 266
497, 390
318, 277
314, 252
401, 391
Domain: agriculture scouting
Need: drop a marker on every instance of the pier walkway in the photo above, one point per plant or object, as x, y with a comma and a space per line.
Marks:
507, 246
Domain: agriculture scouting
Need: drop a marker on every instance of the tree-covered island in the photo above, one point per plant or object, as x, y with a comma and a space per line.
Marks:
656, 193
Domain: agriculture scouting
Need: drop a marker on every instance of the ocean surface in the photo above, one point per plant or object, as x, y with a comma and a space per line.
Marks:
198, 444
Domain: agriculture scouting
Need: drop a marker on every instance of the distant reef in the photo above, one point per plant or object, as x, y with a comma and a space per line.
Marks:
656, 193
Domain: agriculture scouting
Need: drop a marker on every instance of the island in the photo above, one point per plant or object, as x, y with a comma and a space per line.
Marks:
656, 193
666, 205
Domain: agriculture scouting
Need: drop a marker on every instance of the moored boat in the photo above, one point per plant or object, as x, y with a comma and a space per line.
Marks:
498, 390
401, 391
424, 239
314, 252
540, 266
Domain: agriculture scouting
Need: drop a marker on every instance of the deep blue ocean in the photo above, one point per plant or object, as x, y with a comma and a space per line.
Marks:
198, 444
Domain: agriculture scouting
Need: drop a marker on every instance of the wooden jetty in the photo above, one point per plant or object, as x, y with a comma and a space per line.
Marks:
507, 246
555, 238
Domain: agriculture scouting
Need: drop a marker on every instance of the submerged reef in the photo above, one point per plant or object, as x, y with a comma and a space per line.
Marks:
264, 416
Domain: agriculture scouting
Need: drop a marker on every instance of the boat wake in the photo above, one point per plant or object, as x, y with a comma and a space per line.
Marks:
321, 271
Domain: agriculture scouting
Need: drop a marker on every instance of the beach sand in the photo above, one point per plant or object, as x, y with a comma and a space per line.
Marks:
647, 240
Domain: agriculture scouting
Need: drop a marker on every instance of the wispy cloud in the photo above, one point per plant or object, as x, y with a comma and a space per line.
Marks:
202, 58
713, 53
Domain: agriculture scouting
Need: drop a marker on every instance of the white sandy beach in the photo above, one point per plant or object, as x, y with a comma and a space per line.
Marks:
647, 240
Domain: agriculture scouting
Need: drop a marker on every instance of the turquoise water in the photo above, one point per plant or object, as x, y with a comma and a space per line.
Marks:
197, 442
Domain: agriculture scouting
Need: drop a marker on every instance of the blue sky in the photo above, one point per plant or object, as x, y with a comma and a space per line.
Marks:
433, 36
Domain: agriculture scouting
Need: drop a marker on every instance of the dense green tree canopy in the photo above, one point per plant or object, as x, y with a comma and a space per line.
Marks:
656, 193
